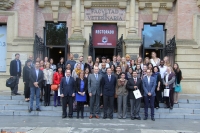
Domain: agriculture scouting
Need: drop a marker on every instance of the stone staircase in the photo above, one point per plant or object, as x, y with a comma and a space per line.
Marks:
16, 106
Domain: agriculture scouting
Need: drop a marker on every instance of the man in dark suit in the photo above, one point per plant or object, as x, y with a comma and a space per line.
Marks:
67, 92
95, 91
149, 85
109, 84
132, 85
15, 72
35, 84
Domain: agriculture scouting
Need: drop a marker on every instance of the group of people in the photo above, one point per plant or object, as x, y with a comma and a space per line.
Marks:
101, 84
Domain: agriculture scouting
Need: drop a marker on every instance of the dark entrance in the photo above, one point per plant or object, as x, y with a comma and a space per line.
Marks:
56, 53
107, 52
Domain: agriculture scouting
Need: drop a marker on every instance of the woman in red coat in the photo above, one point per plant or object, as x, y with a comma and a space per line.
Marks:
56, 80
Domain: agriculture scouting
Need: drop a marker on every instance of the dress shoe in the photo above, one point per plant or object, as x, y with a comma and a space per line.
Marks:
64, 116
132, 118
138, 118
30, 110
91, 117
13, 94
171, 107
166, 107
157, 107
145, 118
153, 119
17, 94
38, 109
97, 116
104, 117
58, 104
70, 117
41, 100
45, 104
111, 117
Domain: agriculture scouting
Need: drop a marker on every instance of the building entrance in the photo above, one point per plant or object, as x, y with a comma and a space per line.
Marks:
107, 52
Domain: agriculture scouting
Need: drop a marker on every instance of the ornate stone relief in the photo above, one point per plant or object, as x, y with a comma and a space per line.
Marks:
198, 3
6, 4
55, 4
155, 5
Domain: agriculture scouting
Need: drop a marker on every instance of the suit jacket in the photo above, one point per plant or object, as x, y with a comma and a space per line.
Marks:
26, 73
78, 83
67, 89
171, 80
109, 86
13, 68
130, 86
95, 86
33, 78
149, 87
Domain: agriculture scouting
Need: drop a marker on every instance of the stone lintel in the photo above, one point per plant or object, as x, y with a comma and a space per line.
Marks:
198, 3
132, 42
118, 4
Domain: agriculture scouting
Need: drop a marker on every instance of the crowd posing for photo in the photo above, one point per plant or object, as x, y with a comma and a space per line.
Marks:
110, 85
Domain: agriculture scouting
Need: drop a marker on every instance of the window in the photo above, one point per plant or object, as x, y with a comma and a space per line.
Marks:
3, 47
153, 36
56, 34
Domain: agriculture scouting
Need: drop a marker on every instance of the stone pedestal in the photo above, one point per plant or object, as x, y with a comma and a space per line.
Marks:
132, 47
76, 42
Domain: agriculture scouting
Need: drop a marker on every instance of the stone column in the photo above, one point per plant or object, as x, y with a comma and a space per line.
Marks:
132, 41
132, 29
76, 40
77, 28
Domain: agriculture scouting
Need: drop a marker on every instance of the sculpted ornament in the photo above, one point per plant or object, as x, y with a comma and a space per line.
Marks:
6, 4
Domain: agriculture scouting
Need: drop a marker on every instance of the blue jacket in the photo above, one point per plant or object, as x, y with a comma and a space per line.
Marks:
109, 87
149, 87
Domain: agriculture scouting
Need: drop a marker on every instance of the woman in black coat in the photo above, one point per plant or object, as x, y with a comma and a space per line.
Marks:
26, 71
81, 90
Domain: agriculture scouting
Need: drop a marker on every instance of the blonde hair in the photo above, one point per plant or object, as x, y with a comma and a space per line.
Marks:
137, 60
145, 60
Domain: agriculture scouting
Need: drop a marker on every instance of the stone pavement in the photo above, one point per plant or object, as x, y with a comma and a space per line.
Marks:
32, 124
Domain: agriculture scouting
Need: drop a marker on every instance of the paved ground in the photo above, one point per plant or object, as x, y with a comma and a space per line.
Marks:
32, 124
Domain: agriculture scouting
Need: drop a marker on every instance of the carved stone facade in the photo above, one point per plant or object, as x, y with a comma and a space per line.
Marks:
24, 18
6, 4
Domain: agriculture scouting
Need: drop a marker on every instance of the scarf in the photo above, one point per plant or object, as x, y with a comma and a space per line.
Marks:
78, 71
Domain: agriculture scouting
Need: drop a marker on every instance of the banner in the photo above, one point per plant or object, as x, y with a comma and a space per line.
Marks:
104, 35
3, 47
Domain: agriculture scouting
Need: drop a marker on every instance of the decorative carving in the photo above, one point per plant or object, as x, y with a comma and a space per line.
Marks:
198, 3
6, 4
39, 47
171, 46
120, 45
55, 6
90, 46
167, 4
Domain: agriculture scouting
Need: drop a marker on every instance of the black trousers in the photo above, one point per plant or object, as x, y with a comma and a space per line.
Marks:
80, 107
26, 90
67, 100
47, 92
157, 97
115, 104
108, 104
170, 99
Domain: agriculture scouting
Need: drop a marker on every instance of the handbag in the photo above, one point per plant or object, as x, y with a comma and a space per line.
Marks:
166, 92
11, 82
137, 94
54, 87
178, 88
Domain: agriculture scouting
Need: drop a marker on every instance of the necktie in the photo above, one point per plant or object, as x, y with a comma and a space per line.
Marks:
96, 76
135, 80
109, 77
67, 80
148, 80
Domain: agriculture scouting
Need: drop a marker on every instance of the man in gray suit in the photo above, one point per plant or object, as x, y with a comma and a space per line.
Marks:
95, 91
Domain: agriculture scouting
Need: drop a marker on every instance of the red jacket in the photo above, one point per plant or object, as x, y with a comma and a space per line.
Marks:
57, 78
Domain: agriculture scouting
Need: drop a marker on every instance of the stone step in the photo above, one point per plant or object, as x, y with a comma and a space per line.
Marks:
86, 114
87, 109
21, 97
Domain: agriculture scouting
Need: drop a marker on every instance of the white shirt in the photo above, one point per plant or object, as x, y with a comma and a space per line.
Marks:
157, 63
162, 71
148, 77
